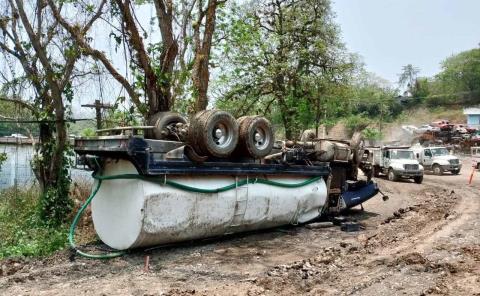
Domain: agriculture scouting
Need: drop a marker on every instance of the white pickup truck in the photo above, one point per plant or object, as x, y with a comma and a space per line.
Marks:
437, 159
396, 163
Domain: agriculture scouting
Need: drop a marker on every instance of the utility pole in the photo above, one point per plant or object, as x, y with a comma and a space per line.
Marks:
98, 110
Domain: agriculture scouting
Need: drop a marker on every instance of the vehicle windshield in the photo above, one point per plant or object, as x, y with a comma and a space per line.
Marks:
402, 154
439, 151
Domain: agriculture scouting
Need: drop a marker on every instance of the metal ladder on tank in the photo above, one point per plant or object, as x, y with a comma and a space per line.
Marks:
241, 195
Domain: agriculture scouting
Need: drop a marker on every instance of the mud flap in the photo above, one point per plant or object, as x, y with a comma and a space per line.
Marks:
358, 194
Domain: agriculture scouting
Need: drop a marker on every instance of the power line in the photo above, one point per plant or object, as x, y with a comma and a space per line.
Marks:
47, 121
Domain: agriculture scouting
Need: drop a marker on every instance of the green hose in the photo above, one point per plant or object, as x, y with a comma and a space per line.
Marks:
166, 182
74, 224
202, 190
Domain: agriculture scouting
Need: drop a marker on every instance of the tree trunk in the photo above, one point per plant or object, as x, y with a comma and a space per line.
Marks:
200, 71
200, 82
41, 171
55, 204
286, 117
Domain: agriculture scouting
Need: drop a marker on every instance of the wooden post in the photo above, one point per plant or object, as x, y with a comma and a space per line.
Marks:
471, 175
98, 111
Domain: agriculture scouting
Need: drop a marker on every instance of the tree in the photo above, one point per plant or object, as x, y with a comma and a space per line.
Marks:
202, 48
32, 38
372, 97
461, 72
275, 51
157, 70
152, 77
458, 83
408, 76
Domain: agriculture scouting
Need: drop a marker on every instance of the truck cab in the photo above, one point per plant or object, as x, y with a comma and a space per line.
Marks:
396, 163
438, 160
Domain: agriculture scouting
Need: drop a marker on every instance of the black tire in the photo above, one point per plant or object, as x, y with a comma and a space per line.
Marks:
418, 179
255, 136
161, 121
391, 175
213, 133
357, 145
455, 172
437, 170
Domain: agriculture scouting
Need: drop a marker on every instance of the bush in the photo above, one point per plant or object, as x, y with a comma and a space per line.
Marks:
22, 231
88, 132
357, 122
372, 134
3, 158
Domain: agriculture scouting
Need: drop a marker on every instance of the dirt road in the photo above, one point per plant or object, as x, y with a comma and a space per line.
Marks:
424, 240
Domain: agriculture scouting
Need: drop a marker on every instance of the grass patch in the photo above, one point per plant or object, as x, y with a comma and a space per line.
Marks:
21, 230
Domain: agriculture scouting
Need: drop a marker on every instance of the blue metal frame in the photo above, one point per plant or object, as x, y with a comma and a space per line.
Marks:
139, 152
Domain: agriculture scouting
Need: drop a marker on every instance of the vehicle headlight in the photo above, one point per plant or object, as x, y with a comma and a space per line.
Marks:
420, 167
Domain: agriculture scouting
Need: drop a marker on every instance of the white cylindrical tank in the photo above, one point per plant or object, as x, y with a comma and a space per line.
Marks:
129, 213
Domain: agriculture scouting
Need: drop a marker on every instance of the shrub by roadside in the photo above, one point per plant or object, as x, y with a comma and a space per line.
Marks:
22, 231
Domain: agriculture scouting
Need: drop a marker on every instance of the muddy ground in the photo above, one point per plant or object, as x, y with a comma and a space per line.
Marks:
425, 240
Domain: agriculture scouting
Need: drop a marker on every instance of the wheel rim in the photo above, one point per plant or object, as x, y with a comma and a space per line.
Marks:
222, 135
261, 138
436, 170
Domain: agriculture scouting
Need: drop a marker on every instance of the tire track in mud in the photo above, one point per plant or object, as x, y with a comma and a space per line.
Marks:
424, 244
440, 215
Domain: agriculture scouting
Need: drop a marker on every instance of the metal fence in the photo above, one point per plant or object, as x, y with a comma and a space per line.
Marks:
16, 171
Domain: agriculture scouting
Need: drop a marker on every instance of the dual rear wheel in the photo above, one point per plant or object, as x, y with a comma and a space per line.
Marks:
217, 133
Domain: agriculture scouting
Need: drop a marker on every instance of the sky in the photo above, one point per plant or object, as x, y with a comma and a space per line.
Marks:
389, 34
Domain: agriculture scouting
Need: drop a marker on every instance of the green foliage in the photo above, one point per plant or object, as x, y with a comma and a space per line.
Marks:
121, 118
88, 132
3, 158
12, 111
419, 92
357, 122
372, 134
283, 59
408, 76
22, 230
461, 72
54, 204
457, 84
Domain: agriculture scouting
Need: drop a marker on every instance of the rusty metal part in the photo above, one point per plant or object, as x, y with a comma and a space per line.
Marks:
124, 130
167, 126
274, 156
192, 155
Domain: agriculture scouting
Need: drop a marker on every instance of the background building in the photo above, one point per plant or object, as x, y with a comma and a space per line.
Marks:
473, 116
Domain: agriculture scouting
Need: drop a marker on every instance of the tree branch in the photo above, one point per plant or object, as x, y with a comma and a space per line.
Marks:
19, 102
96, 54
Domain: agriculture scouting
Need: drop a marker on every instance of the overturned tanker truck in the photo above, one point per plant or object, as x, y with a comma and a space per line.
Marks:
175, 180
